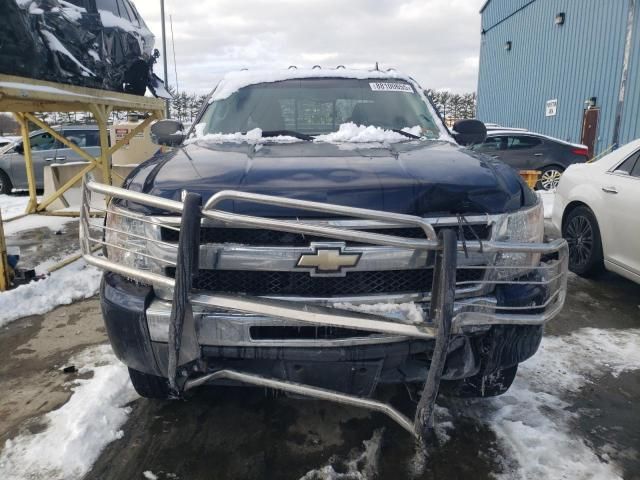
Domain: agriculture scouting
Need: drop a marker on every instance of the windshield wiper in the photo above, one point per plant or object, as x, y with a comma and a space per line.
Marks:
289, 133
406, 134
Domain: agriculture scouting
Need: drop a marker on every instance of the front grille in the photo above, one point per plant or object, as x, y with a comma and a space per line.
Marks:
273, 238
263, 283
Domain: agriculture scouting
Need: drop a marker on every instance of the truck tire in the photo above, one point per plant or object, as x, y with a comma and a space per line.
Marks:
580, 229
480, 385
5, 184
501, 350
149, 386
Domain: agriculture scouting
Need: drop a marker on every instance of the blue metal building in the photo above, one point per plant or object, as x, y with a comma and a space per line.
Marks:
565, 68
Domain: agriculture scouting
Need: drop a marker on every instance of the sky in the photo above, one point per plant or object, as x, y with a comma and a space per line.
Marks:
435, 41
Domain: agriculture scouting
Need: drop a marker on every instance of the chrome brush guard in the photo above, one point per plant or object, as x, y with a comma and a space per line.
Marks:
447, 314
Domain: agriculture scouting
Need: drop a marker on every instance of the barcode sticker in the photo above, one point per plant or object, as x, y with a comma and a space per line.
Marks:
391, 87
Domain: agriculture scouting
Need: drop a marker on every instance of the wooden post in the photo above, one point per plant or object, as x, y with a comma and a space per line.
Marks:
28, 161
101, 112
4, 264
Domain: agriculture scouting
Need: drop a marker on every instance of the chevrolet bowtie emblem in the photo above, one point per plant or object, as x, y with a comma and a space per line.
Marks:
328, 260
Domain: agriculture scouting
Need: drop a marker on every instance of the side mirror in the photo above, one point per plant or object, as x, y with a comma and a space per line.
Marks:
19, 148
167, 132
469, 132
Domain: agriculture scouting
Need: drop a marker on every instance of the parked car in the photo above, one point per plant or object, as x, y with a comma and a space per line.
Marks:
93, 43
525, 150
321, 232
46, 150
4, 141
597, 208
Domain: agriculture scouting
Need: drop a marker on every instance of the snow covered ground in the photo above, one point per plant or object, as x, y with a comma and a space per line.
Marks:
533, 420
75, 434
67, 285
12, 205
72, 283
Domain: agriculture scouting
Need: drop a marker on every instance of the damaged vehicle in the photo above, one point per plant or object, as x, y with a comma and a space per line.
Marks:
321, 232
101, 44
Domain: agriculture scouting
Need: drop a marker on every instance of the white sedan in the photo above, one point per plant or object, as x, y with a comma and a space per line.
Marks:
597, 209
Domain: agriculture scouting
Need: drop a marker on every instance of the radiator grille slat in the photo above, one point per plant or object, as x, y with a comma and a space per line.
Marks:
263, 283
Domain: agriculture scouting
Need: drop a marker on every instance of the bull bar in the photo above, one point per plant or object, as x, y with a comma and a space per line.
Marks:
446, 314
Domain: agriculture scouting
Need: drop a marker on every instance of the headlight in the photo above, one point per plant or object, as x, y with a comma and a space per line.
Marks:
523, 226
126, 235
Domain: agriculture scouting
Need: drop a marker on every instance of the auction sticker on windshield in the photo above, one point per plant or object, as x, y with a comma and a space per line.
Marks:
391, 87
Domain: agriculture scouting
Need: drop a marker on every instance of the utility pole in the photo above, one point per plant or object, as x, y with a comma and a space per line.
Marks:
164, 58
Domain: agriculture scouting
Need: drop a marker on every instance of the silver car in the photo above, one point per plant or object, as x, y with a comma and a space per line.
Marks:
45, 150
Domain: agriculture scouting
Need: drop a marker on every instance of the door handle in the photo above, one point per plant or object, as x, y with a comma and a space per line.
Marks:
49, 159
538, 154
61, 159
610, 189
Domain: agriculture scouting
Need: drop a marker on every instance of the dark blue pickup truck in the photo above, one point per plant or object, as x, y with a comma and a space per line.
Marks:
322, 232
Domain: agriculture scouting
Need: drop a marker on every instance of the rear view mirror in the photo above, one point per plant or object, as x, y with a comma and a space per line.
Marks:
167, 132
469, 132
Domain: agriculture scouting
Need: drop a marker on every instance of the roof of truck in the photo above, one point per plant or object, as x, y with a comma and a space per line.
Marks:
234, 81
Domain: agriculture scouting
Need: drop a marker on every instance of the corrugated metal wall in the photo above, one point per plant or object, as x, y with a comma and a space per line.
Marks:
630, 127
570, 63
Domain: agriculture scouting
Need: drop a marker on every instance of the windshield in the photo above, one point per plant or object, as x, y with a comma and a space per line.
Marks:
319, 106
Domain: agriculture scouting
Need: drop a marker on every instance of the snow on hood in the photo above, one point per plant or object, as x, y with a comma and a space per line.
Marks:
252, 137
352, 133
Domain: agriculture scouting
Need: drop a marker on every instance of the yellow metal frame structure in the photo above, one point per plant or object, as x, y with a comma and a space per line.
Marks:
4, 264
25, 96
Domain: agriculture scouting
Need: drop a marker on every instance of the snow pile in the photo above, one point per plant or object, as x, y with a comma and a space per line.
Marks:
532, 420
77, 432
359, 466
67, 285
350, 132
36, 221
12, 206
405, 312
252, 137
547, 199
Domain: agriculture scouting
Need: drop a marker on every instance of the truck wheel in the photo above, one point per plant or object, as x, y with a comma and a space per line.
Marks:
581, 231
480, 385
5, 184
149, 386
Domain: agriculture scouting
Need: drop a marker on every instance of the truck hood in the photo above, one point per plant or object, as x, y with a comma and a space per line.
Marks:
417, 177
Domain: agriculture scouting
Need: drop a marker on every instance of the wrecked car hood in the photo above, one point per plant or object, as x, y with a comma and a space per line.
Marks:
416, 178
